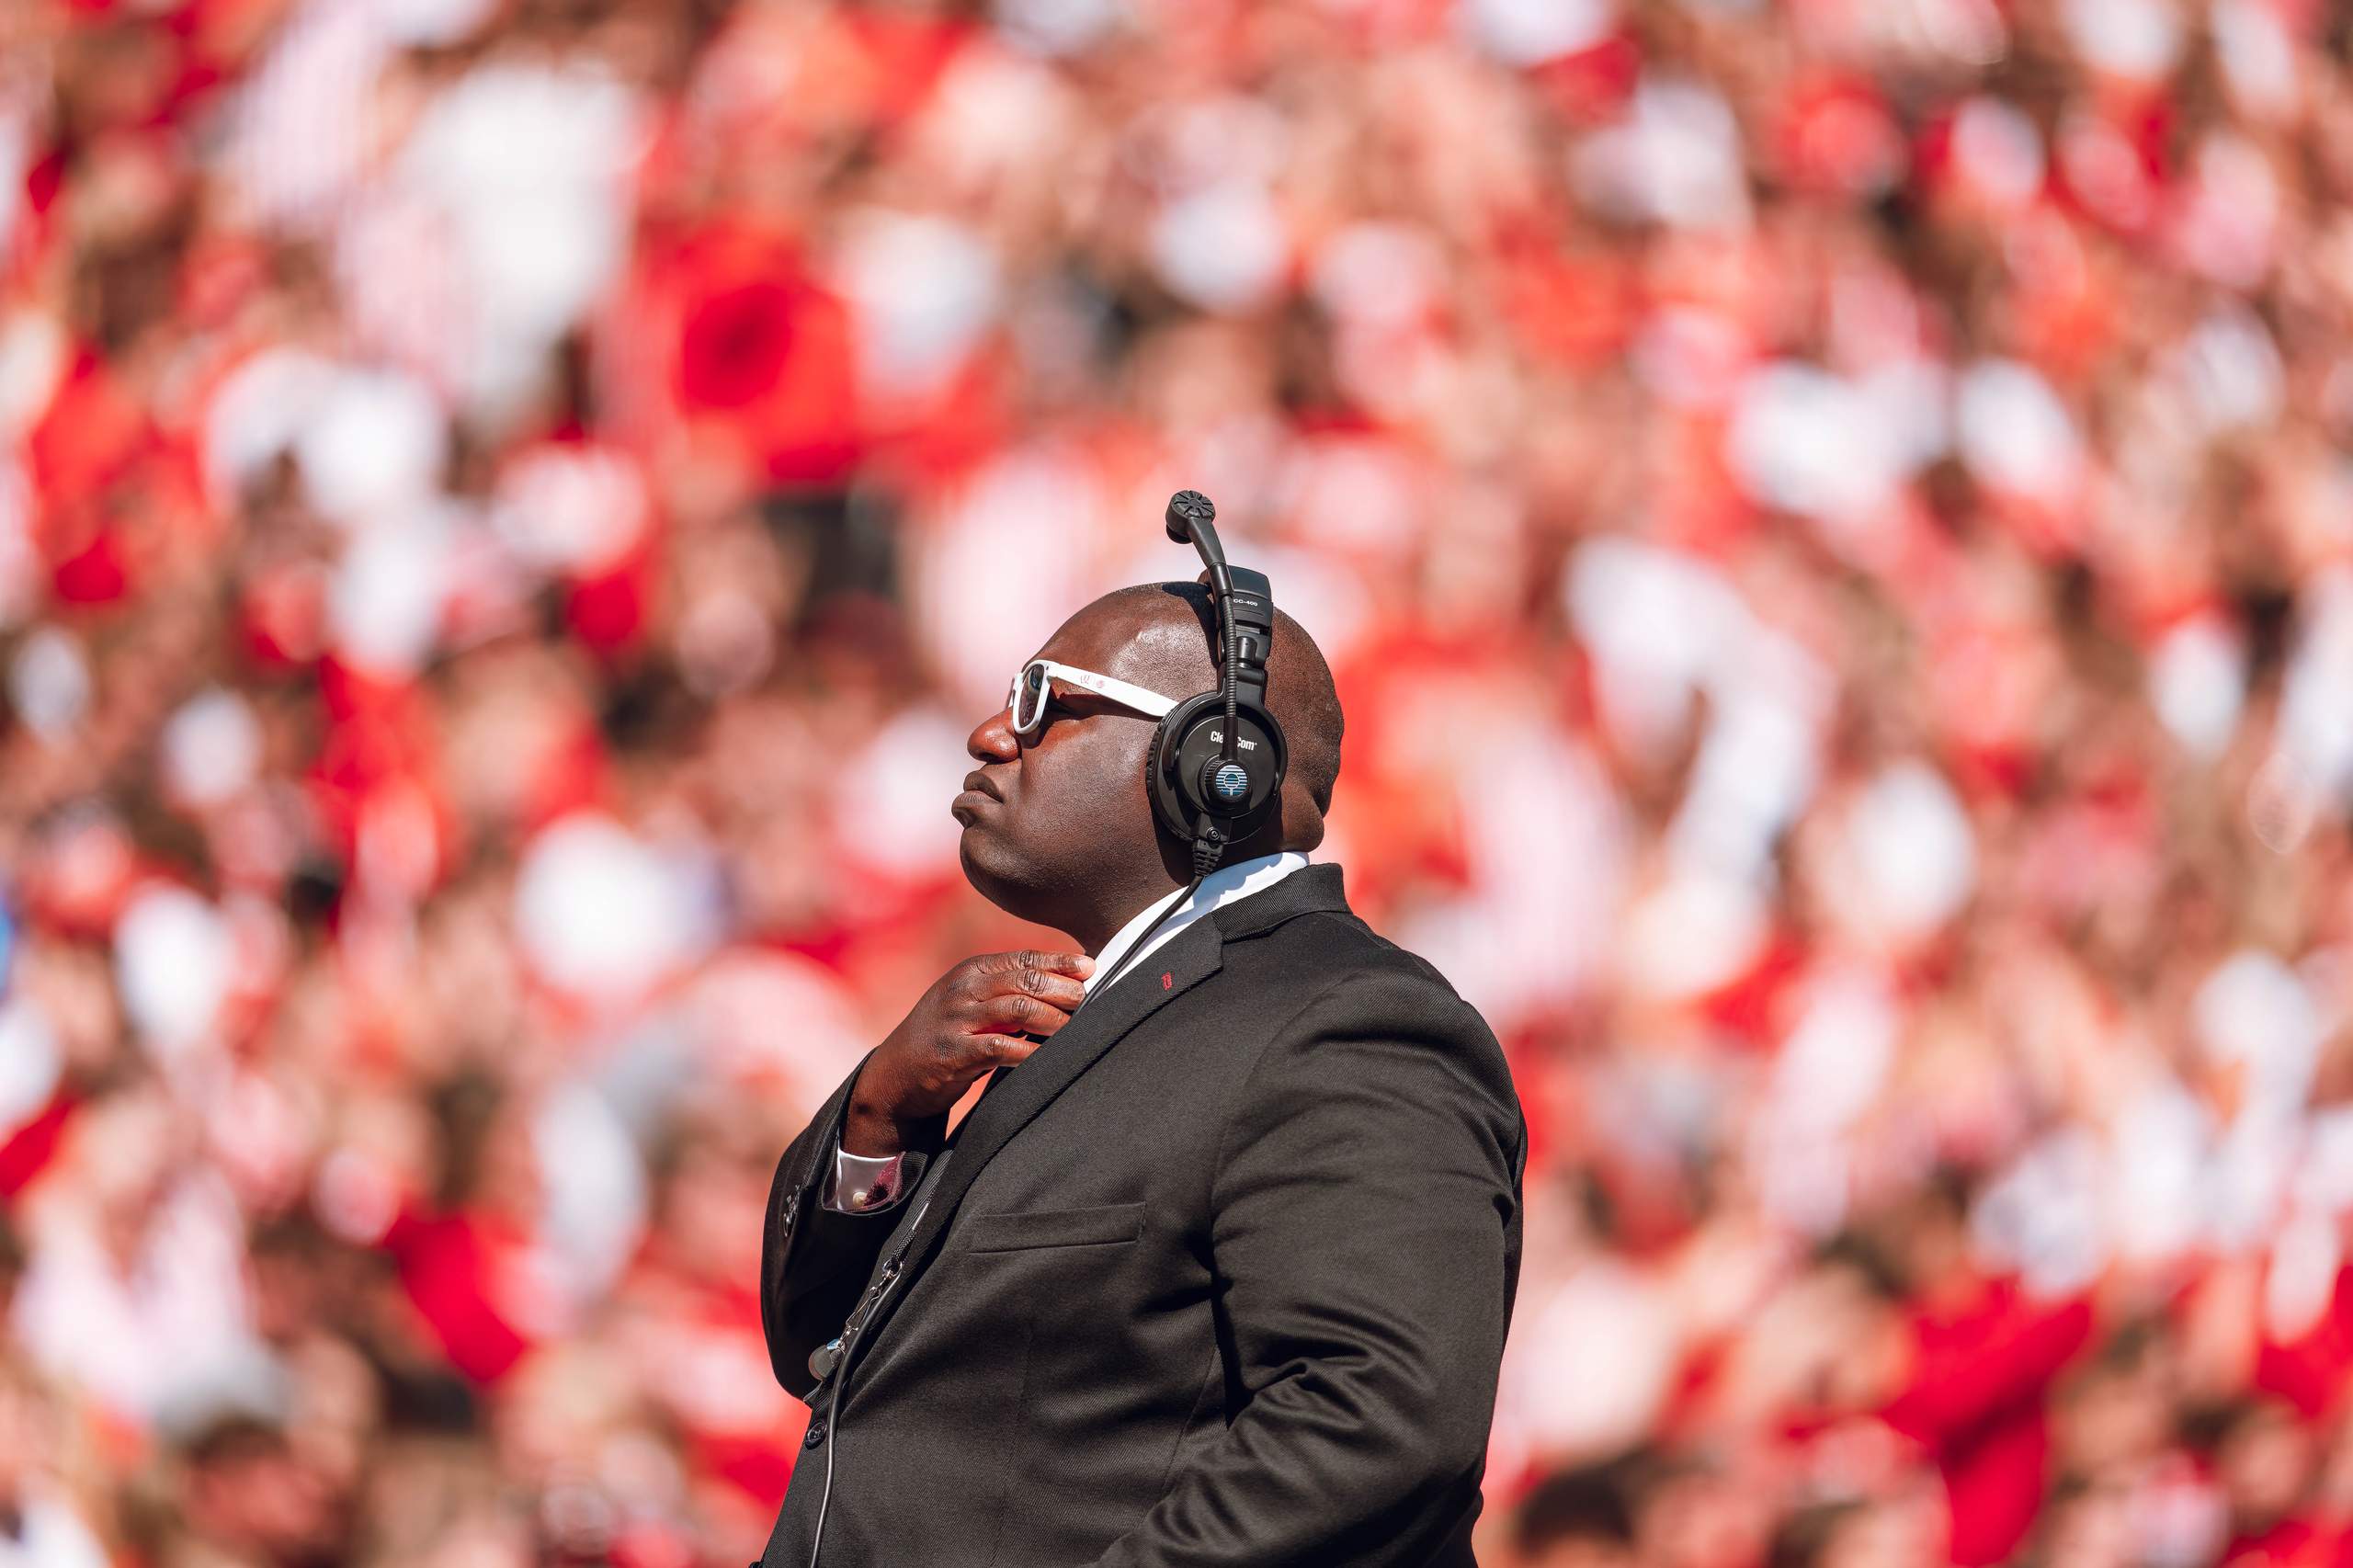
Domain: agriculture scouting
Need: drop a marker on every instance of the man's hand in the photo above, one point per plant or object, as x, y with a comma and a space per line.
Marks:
970, 1022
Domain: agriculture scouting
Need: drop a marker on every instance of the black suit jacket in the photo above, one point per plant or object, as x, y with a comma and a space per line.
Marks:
1218, 1276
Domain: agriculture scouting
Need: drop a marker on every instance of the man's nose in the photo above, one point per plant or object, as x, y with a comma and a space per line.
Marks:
992, 739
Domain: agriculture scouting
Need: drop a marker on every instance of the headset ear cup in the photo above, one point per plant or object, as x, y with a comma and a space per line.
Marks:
1268, 771
1186, 739
1159, 764
1154, 771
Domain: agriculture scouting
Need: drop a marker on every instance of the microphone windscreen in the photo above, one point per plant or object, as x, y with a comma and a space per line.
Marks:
1184, 508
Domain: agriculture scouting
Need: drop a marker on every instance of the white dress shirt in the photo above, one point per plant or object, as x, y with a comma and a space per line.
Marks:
875, 1183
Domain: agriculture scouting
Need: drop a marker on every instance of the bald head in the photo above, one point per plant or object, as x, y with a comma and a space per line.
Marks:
1175, 649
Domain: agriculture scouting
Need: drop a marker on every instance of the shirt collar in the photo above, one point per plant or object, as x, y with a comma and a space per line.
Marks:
1220, 886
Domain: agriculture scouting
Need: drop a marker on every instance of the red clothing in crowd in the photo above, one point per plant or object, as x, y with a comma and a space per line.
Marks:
451, 1266
2292, 1543
1979, 1403
2309, 1370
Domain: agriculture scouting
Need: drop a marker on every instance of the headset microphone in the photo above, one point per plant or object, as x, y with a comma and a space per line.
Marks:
1191, 516
1188, 510
1219, 758
1216, 765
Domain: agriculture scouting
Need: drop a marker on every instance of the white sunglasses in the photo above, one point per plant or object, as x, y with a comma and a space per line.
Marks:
1028, 695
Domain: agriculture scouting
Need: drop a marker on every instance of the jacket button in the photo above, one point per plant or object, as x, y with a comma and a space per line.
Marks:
815, 1434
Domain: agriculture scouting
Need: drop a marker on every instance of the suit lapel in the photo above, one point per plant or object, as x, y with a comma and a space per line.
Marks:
1189, 958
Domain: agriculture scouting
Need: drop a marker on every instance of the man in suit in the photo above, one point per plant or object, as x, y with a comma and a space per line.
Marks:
1217, 1270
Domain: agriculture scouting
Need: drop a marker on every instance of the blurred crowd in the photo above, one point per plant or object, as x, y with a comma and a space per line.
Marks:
1833, 522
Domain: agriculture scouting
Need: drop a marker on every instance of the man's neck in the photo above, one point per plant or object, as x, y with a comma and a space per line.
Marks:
1238, 874
1112, 917
1093, 926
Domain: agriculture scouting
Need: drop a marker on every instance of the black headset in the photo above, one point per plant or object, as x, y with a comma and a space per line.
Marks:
1216, 767
1218, 759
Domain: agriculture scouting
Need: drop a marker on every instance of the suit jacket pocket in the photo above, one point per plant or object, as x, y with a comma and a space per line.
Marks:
1104, 1223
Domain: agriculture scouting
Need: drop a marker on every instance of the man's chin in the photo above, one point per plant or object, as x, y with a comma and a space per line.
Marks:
998, 874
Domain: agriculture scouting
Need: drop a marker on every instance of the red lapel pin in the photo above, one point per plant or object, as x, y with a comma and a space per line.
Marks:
1168, 981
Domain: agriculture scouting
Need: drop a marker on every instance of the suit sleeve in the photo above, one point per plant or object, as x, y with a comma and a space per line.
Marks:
1365, 1219
814, 1260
